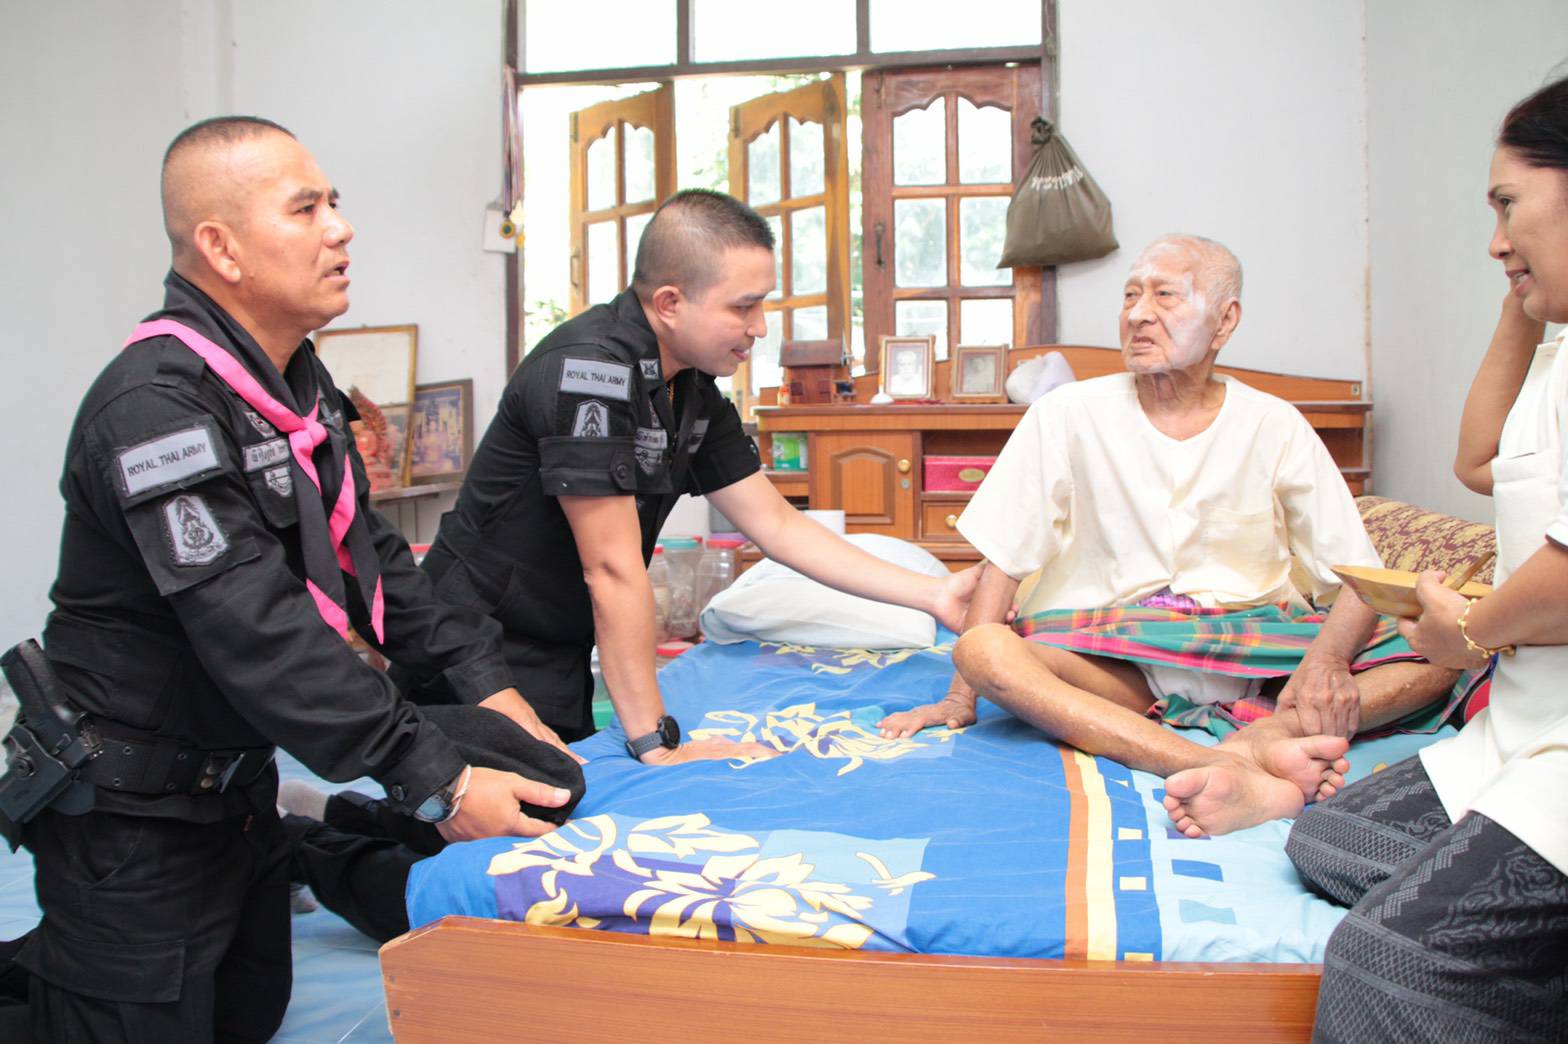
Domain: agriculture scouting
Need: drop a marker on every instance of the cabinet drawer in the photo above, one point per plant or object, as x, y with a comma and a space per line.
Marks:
938, 519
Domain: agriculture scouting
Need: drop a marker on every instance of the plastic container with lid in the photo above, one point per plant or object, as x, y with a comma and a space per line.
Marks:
680, 556
667, 651
717, 569
659, 577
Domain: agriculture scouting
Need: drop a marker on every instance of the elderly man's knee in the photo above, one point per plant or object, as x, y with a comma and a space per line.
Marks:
981, 648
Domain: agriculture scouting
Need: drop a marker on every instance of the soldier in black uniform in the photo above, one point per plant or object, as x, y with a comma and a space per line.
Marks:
607, 422
218, 542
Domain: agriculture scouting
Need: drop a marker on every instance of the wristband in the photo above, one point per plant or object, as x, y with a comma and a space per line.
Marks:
462, 788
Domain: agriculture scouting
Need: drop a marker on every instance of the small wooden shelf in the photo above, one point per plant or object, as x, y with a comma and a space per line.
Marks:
433, 489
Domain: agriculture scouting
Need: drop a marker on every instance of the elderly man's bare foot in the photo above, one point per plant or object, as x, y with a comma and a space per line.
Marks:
1316, 764
952, 713
1231, 794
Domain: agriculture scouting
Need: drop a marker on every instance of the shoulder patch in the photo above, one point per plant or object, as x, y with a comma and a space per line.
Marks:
167, 460
595, 377
650, 369
195, 538
592, 421
266, 454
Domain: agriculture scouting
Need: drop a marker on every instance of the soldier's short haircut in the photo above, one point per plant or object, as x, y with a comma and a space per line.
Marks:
685, 243
175, 179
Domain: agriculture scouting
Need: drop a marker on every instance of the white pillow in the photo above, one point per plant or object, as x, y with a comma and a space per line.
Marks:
773, 603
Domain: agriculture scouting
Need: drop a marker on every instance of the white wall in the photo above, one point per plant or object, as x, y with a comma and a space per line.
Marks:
399, 101
89, 96
1440, 76
1241, 120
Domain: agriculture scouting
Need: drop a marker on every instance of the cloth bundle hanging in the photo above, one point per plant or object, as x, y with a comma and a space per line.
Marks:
1058, 213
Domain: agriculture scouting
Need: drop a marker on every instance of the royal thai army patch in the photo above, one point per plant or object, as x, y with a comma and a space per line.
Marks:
167, 461
592, 377
195, 538
592, 421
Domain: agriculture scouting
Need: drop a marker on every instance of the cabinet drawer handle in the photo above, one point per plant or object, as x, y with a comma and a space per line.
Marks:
903, 466
952, 521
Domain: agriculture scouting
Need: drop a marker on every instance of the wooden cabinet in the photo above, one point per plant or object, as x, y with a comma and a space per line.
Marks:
867, 475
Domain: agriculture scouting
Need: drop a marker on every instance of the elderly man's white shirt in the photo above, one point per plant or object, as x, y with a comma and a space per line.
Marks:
1115, 510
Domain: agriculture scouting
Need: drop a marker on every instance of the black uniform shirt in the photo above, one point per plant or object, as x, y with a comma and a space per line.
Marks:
588, 413
181, 610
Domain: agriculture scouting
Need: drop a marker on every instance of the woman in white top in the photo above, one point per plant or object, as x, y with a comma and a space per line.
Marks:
1456, 861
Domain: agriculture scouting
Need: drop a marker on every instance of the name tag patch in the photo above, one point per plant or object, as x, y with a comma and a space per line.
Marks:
699, 428
650, 369
649, 448
266, 454
591, 377
280, 480
167, 460
195, 538
592, 421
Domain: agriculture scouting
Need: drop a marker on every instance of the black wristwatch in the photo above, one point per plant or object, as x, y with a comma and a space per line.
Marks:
666, 734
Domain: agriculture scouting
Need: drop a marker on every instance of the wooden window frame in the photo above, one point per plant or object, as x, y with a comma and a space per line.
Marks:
653, 110
822, 102
887, 95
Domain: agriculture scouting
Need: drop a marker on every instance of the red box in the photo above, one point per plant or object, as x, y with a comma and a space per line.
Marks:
955, 474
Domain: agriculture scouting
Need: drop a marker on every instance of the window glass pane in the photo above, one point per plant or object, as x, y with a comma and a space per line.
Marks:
776, 223
929, 25
985, 144
986, 321
918, 318
982, 227
809, 251
805, 158
733, 30
762, 168
634, 229
920, 242
601, 172
639, 163
811, 324
626, 33
920, 145
603, 261
765, 371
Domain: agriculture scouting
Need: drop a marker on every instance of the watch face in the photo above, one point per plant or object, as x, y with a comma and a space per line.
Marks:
669, 732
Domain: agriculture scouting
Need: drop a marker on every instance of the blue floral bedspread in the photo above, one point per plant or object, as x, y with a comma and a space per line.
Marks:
988, 840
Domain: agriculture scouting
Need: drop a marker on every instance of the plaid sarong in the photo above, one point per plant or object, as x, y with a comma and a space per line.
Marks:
1266, 642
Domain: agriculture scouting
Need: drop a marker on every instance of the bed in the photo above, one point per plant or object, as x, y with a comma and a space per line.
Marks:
981, 881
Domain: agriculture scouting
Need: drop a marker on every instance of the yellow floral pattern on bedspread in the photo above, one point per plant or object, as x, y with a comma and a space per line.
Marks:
826, 736
683, 877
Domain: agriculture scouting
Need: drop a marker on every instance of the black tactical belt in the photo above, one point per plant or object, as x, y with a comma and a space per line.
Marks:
162, 767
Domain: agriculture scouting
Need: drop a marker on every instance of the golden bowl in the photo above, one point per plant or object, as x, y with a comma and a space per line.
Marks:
1393, 591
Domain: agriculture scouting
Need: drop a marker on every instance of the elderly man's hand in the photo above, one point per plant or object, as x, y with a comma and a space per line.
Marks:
953, 596
1435, 633
1325, 697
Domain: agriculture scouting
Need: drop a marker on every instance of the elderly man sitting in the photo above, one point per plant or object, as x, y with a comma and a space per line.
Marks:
1171, 488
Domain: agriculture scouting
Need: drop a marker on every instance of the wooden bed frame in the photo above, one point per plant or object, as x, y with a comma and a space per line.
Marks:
467, 978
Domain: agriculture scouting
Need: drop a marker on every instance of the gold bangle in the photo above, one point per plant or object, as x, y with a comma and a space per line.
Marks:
1475, 647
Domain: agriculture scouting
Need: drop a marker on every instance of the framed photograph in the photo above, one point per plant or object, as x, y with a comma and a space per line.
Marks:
378, 360
979, 373
907, 365
381, 436
441, 431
